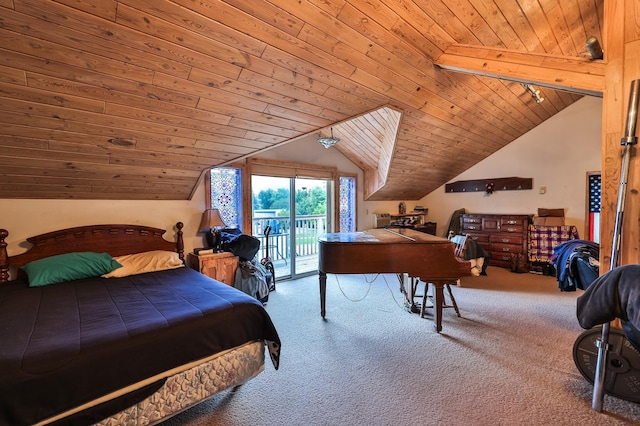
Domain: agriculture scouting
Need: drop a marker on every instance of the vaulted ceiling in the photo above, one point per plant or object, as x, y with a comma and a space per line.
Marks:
134, 99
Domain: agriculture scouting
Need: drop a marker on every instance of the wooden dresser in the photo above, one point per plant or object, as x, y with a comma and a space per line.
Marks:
500, 235
219, 266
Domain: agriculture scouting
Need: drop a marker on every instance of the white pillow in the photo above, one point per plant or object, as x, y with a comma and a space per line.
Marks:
149, 261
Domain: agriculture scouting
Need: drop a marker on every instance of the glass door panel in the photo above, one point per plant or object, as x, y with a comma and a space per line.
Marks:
271, 206
310, 219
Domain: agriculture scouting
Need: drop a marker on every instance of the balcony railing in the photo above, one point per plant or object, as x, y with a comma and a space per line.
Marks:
307, 229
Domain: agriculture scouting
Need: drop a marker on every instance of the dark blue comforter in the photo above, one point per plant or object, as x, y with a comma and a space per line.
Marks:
69, 343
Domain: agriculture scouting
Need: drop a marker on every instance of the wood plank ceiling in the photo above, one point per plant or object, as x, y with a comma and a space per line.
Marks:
133, 99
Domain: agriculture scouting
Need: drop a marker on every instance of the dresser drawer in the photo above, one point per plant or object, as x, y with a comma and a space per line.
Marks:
501, 259
470, 218
512, 220
506, 248
514, 229
507, 239
480, 238
491, 224
471, 223
471, 227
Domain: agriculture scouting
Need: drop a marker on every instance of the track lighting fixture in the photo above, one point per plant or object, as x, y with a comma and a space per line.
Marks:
594, 48
534, 93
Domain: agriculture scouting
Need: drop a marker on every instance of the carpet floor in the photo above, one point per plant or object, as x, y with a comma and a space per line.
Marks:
507, 361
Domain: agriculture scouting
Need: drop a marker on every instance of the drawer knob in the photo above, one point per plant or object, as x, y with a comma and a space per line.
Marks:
506, 240
506, 249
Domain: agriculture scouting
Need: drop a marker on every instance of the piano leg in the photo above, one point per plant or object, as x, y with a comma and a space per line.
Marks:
438, 289
408, 289
323, 292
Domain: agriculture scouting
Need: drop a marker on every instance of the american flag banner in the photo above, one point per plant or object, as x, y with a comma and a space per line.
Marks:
595, 192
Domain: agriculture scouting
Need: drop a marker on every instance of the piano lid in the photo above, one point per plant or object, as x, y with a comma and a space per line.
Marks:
382, 236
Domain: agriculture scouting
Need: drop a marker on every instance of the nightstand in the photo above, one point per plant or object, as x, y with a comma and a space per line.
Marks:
219, 266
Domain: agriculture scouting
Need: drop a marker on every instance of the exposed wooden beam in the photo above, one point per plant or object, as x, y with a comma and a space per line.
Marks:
578, 75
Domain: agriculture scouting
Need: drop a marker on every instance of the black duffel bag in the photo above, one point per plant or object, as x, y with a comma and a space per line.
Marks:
242, 245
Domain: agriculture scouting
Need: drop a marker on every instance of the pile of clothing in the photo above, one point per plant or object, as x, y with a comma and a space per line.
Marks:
577, 264
616, 294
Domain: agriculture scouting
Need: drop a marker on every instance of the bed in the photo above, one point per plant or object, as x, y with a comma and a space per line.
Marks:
84, 340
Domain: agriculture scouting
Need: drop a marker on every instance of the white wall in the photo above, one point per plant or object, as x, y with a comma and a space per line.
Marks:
26, 218
557, 154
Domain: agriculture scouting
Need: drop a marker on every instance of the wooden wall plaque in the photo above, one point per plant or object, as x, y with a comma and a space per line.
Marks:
499, 184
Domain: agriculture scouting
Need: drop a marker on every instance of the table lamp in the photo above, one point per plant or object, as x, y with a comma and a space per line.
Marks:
211, 223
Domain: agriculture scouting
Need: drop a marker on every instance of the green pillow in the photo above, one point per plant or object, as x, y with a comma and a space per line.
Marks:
68, 267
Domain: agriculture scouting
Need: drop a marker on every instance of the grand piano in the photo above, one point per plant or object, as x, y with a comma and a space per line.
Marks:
398, 250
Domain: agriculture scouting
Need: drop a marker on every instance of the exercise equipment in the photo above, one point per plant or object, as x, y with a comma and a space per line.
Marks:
623, 362
603, 345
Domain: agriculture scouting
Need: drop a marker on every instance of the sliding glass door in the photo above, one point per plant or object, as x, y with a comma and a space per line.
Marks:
296, 210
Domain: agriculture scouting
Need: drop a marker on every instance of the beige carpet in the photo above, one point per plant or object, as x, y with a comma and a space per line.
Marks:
507, 361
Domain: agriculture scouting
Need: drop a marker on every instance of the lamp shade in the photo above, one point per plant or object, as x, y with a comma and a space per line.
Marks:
210, 219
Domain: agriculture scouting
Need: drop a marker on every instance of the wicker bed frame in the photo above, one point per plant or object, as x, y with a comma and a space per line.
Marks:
219, 372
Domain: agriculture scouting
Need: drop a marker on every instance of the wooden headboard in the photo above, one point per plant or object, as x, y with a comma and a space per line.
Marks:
117, 240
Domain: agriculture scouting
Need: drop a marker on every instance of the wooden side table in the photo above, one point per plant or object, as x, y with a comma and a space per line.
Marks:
219, 266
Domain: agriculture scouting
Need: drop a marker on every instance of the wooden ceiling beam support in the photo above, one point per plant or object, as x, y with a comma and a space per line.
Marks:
572, 74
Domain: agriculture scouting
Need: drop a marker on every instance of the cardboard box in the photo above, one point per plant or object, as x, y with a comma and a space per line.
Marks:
538, 221
551, 213
548, 221
553, 221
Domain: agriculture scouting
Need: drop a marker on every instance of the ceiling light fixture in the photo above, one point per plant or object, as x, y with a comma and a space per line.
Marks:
328, 141
534, 93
